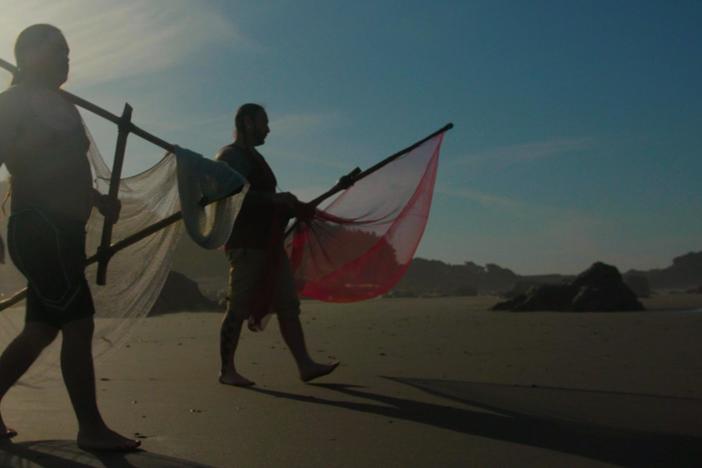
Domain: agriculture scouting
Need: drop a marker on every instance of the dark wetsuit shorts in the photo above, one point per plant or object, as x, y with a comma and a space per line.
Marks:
50, 253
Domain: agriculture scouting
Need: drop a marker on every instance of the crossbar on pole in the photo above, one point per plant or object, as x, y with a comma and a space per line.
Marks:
108, 223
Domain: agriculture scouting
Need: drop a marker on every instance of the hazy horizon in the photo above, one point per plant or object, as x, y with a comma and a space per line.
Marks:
576, 125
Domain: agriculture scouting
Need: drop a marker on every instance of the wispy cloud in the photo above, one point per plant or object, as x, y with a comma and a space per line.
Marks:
486, 199
534, 237
165, 122
523, 209
309, 192
113, 40
524, 152
283, 151
303, 123
292, 134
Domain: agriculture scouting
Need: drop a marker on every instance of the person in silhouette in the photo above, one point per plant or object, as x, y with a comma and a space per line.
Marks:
260, 276
44, 145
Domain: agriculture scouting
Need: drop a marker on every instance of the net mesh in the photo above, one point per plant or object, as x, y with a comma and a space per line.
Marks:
137, 273
361, 243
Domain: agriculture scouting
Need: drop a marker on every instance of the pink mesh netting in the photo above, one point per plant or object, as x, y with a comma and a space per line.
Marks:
361, 243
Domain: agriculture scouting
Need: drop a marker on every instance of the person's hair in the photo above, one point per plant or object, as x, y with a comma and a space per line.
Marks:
31, 38
247, 110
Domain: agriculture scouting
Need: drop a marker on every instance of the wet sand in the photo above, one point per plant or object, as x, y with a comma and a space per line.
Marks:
423, 382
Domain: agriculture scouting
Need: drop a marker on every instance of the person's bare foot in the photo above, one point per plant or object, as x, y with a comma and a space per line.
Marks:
106, 440
6, 432
234, 378
316, 370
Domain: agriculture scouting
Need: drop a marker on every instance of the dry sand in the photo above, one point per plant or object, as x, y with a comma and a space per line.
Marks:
424, 382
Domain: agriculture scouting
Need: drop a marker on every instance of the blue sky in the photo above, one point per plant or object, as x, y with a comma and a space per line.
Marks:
576, 123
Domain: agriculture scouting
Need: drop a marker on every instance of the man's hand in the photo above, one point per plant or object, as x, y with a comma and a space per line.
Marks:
305, 211
292, 207
287, 201
107, 206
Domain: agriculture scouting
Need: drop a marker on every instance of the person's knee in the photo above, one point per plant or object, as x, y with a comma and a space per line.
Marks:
81, 329
233, 320
40, 334
288, 318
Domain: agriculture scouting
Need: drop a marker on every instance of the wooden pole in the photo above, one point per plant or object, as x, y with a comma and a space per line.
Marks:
356, 175
126, 127
120, 148
105, 114
116, 247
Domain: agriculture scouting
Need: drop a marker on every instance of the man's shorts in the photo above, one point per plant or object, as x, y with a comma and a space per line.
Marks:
246, 275
50, 253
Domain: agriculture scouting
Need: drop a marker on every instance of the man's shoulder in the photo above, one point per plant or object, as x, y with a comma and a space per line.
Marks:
237, 158
12, 96
229, 152
13, 106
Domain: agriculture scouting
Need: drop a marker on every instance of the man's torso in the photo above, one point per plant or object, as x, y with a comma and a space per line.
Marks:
45, 152
257, 222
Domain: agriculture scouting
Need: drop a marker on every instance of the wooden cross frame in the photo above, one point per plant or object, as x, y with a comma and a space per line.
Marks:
120, 148
107, 249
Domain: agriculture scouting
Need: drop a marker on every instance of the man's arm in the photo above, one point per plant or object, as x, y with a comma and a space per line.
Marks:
106, 205
8, 132
284, 200
244, 167
9, 125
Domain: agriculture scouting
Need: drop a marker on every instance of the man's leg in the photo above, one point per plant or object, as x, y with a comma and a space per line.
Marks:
287, 305
243, 275
19, 355
291, 329
79, 376
228, 341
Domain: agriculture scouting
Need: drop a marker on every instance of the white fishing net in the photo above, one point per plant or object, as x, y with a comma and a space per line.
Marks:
136, 275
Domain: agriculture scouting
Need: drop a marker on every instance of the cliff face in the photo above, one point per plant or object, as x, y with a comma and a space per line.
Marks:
433, 277
684, 273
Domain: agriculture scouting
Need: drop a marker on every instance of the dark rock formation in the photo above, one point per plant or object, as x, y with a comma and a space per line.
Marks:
181, 294
520, 288
639, 284
697, 290
436, 278
599, 288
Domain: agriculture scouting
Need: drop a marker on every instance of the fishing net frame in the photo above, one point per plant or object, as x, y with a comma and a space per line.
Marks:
148, 222
125, 127
335, 253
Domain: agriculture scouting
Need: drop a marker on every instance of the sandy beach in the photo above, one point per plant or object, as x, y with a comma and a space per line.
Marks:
423, 382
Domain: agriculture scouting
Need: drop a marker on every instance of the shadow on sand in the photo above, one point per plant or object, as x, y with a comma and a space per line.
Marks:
618, 445
66, 454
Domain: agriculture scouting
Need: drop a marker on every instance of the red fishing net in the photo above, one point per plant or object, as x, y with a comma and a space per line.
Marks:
360, 244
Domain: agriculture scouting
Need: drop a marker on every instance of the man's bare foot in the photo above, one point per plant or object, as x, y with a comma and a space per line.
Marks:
234, 378
106, 440
6, 432
316, 370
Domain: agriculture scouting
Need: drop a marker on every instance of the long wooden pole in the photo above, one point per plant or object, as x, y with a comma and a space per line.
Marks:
356, 175
125, 126
353, 176
105, 114
117, 246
